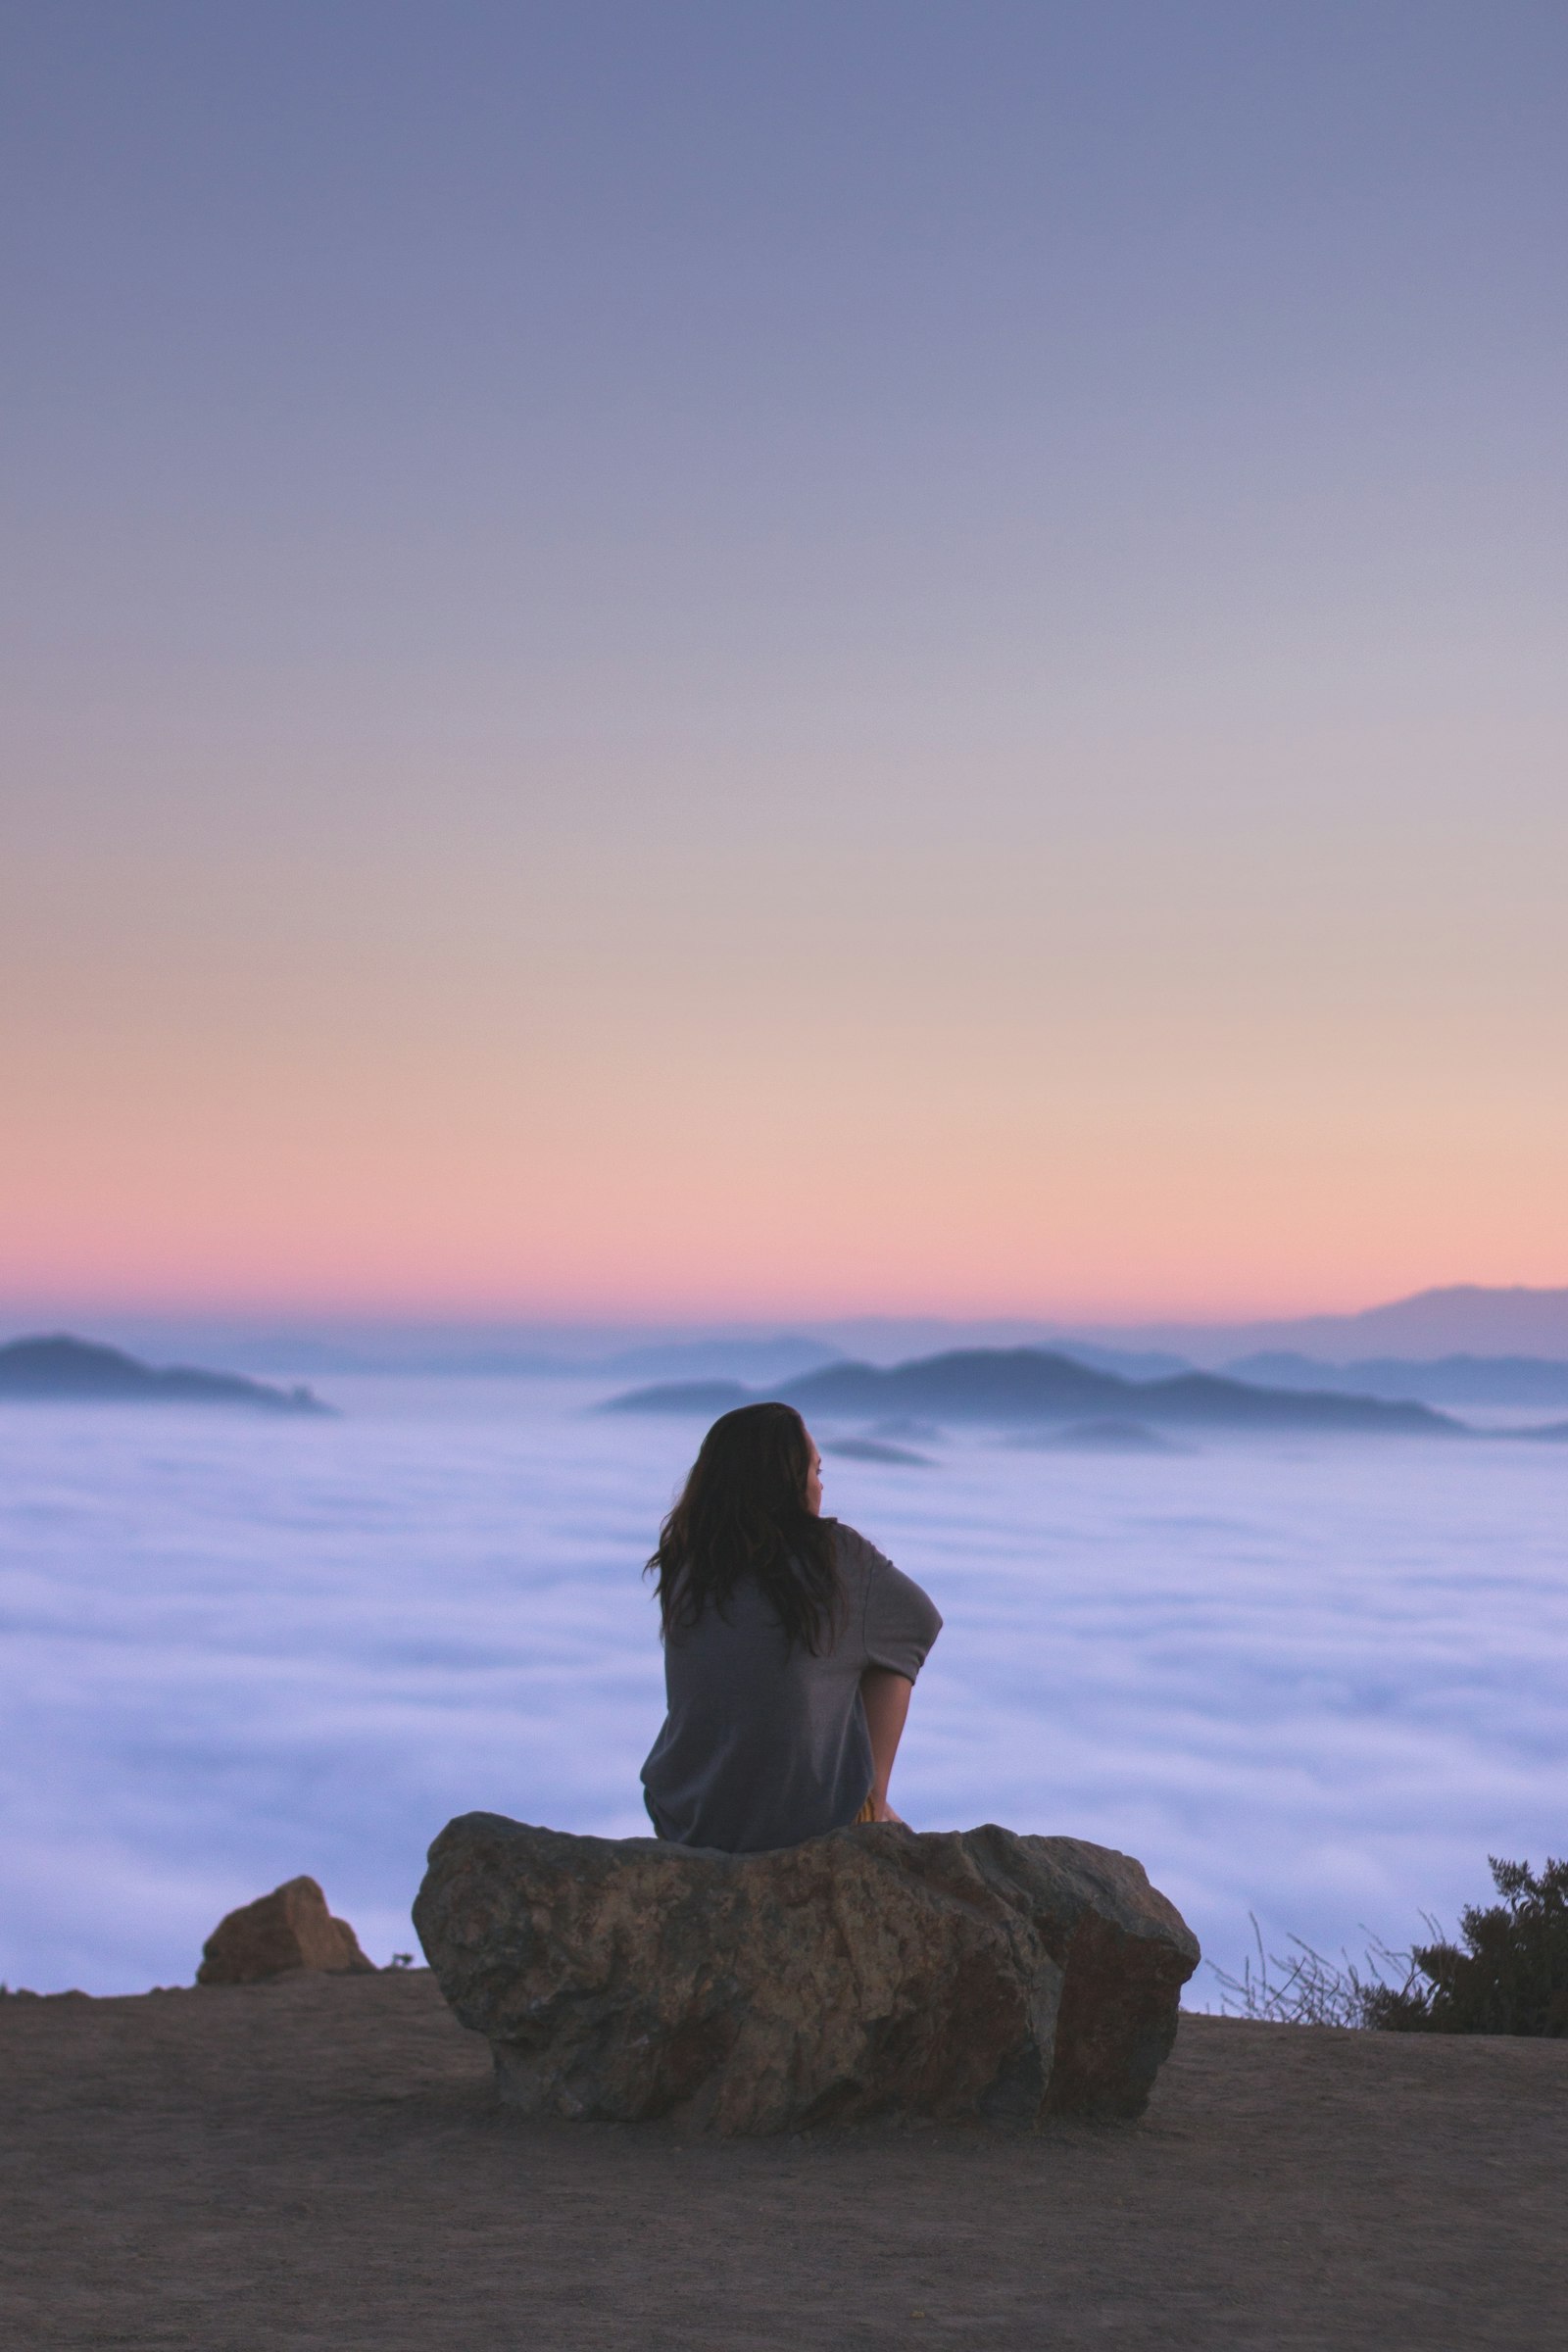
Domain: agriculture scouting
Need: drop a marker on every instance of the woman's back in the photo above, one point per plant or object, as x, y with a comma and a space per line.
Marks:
765, 1744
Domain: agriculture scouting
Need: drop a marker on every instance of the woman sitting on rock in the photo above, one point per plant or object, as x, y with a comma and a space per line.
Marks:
791, 1647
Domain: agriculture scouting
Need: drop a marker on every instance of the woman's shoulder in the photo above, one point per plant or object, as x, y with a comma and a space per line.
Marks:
857, 1554
900, 1621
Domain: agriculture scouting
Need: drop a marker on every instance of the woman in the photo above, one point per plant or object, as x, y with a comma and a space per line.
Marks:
791, 1647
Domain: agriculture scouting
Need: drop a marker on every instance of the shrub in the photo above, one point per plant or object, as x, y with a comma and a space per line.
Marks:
1511, 1978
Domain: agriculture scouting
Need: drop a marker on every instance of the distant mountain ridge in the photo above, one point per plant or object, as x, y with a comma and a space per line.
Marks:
1012, 1387
1522, 1380
1463, 1319
57, 1368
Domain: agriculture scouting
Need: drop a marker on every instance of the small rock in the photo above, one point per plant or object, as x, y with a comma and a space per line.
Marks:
973, 1976
290, 1928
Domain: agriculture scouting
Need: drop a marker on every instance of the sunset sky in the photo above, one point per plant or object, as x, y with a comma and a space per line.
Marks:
698, 660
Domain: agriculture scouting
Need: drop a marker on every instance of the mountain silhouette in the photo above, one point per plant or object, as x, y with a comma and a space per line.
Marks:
59, 1368
1442, 1380
1007, 1387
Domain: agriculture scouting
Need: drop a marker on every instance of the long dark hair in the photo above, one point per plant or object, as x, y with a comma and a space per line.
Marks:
743, 1512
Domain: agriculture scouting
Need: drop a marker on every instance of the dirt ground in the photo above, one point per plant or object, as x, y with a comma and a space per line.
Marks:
320, 2162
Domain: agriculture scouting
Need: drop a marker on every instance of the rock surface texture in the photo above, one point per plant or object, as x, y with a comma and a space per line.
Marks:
290, 1928
972, 1975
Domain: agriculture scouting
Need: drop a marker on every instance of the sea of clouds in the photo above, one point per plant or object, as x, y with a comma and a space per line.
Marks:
1314, 1679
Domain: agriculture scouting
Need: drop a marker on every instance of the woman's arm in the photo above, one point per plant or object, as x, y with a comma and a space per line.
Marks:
886, 1698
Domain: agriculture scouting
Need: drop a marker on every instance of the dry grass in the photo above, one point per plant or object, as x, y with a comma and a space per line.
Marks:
1302, 1987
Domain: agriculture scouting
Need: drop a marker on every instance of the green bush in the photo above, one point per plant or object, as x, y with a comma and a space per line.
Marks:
1511, 1976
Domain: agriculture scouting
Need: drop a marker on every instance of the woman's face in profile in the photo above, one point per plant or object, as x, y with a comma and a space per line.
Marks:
814, 1476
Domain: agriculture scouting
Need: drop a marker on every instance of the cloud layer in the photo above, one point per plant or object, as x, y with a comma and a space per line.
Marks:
1321, 1682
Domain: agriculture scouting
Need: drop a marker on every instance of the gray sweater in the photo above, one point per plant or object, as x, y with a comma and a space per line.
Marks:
765, 1744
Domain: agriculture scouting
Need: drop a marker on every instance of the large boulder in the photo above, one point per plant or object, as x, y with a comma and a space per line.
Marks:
290, 1928
963, 1976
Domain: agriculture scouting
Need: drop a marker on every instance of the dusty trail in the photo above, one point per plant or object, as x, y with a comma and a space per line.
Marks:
320, 2162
